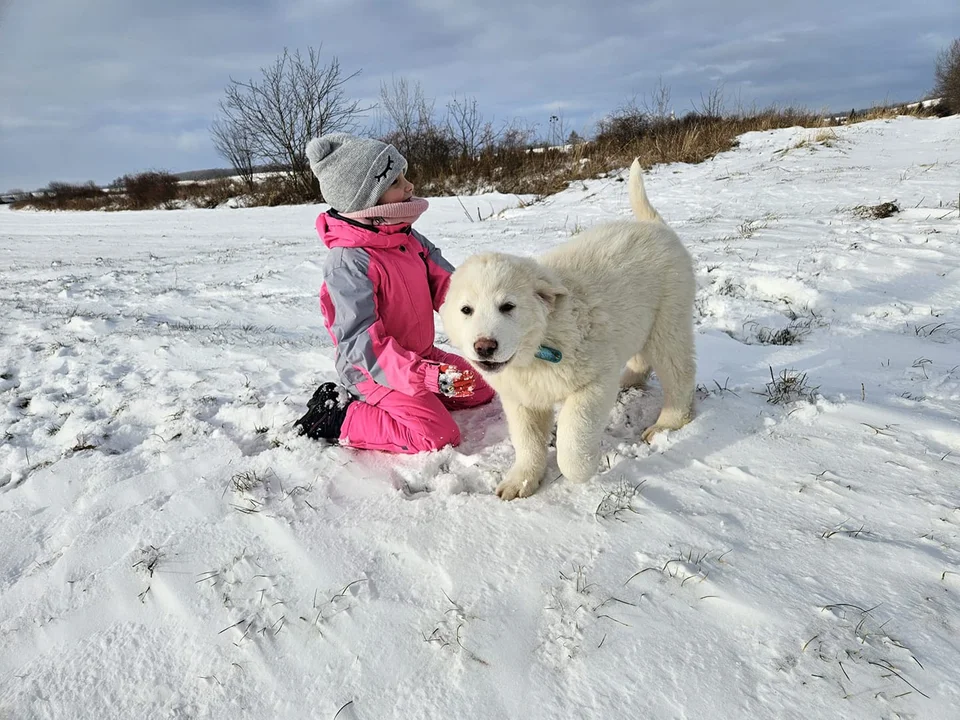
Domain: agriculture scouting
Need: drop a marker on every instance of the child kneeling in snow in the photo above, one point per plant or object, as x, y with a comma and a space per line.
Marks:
382, 282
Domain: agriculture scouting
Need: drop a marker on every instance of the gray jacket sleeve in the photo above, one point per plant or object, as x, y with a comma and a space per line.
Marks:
439, 270
433, 253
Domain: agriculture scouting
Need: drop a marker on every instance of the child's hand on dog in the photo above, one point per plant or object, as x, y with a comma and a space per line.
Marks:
456, 383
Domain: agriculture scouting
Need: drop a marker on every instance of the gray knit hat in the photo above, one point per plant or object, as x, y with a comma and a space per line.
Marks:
354, 172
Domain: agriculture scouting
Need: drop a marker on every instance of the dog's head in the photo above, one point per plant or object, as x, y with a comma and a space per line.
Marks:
497, 308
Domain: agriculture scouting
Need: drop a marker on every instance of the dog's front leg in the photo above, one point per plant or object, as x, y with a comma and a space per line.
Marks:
529, 433
581, 422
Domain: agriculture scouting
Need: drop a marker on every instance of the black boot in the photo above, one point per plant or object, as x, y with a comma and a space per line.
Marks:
327, 410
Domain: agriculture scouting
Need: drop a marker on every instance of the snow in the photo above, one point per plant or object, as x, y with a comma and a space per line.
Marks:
171, 547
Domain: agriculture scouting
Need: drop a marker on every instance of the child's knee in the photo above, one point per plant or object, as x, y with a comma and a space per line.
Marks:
439, 433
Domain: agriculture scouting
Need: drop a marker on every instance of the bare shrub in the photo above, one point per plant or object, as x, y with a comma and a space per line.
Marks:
515, 136
66, 196
211, 193
713, 104
657, 104
279, 190
69, 191
151, 189
627, 124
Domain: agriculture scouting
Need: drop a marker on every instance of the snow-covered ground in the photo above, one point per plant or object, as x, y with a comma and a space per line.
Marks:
171, 548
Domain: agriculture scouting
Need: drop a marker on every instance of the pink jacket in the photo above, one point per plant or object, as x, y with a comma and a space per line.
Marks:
381, 286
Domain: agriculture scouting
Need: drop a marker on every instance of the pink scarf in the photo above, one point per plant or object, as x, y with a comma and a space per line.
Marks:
400, 213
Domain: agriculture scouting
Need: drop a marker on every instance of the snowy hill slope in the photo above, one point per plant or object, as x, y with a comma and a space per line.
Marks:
172, 549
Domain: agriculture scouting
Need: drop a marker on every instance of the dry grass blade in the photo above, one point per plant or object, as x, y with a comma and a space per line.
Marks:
889, 668
342, 708
618, 500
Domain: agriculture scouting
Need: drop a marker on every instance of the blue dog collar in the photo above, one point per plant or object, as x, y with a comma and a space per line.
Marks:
549, 354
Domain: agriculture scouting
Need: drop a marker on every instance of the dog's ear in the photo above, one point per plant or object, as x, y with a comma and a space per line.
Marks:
548, 287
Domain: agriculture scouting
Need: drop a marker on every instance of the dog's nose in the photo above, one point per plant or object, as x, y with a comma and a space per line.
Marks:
485, 347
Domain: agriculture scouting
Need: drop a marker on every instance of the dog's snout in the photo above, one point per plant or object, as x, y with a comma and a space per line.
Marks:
485, 347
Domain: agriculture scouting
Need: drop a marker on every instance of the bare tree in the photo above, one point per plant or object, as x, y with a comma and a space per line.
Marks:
465, 123
408, 112
295, 99
233, 142
518, 135
426, 145
947, 76
657, 104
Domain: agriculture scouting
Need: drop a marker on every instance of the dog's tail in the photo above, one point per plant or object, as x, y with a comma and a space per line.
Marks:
638, 196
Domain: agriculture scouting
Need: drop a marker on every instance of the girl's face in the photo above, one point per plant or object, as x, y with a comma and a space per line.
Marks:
400, 191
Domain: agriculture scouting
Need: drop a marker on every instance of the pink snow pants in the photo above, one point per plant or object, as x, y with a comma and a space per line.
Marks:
411, 424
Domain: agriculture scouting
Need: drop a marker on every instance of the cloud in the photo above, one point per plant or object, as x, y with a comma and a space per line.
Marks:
104, 87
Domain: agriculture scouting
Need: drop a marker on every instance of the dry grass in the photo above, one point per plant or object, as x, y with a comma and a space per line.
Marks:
876, 212
788, 387
543, 171
825, 137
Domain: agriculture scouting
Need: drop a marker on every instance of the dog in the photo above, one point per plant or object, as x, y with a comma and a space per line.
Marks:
572, 328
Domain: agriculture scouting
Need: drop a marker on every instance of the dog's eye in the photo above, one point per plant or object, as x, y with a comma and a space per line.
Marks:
507, 307
466, 310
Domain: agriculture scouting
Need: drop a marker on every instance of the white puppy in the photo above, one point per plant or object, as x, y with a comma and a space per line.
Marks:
592, 316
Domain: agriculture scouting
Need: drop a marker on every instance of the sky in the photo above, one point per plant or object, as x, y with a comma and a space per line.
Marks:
96, 89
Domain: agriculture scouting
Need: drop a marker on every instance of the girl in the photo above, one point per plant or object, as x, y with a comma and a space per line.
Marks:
382, 282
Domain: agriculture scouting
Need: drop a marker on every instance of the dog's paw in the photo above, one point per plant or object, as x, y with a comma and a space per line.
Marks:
651, 432
517, 484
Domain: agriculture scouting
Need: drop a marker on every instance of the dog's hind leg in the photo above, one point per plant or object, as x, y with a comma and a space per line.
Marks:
636, 373
670, 349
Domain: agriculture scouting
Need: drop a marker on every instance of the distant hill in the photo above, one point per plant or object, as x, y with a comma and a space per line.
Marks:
211, 174
214, 173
